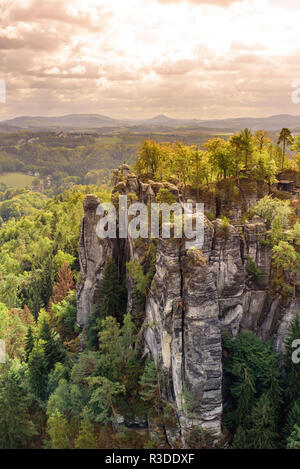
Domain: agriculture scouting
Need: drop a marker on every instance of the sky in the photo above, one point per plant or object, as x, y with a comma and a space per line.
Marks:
139, 58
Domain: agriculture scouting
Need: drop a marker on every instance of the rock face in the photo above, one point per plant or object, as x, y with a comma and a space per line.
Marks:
92, 257
185, 338
194, 297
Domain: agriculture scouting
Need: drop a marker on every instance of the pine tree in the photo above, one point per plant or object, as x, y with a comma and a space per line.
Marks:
29, 343
244, 390
110, 301
86, 438
53, 350
37, 372
286, 139
240, 439
293, 418
293, 442
16, 426
150, 388
59, 431
262, 434
250, 371
105, 399
112, 296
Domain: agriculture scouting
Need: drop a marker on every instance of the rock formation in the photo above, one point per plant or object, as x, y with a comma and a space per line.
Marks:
194, 297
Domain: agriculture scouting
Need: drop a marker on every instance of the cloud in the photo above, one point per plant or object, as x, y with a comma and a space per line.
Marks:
241, 46
179, 67
144, 57
220, 3
35, 40
52, 10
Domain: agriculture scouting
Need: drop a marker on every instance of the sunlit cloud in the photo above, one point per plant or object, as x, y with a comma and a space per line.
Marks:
138, 58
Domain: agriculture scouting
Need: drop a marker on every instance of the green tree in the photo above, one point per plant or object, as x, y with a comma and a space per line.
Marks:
286, 257
16, 427
262, 434
104, 400
261, 140
286, 139
266, 168
199, 168
112, 293
221, 156
86, 438
236, 141
111, 300
269, 208
29, 343
293, 441
117, 347
247, 147
250, 370
240, 439
59, 431
150, 388
51, 344
149, 157
293, 418
65, 316
58, 373
37, 372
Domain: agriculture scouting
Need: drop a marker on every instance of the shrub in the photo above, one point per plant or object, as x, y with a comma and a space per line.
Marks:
252, 269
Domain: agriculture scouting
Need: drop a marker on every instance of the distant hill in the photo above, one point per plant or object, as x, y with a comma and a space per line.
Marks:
72, 121
5, 128
95, 121
268, 123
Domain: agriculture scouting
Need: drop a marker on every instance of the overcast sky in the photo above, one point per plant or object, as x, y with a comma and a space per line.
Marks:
139, 58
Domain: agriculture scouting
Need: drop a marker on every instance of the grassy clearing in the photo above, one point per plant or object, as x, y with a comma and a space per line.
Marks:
17, 180
109, 140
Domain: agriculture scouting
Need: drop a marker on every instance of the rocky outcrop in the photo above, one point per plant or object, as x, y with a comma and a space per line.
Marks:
194, 297
92, 257
183, 333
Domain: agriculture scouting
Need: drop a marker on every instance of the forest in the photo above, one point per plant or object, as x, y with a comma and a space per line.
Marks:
63, 387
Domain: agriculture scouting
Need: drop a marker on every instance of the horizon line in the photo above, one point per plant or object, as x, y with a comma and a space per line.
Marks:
146, 118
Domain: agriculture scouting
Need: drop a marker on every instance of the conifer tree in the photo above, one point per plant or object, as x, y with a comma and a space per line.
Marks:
29, 343
51, 344
286, 139
262, 434
240, 439
37, 372
111, 293
16, 426
293, 442
59, 431
293, 418
110, 301
150, 389
86, 438
252, 375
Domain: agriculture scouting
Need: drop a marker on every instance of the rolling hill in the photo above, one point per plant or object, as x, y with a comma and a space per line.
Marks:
95, 121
